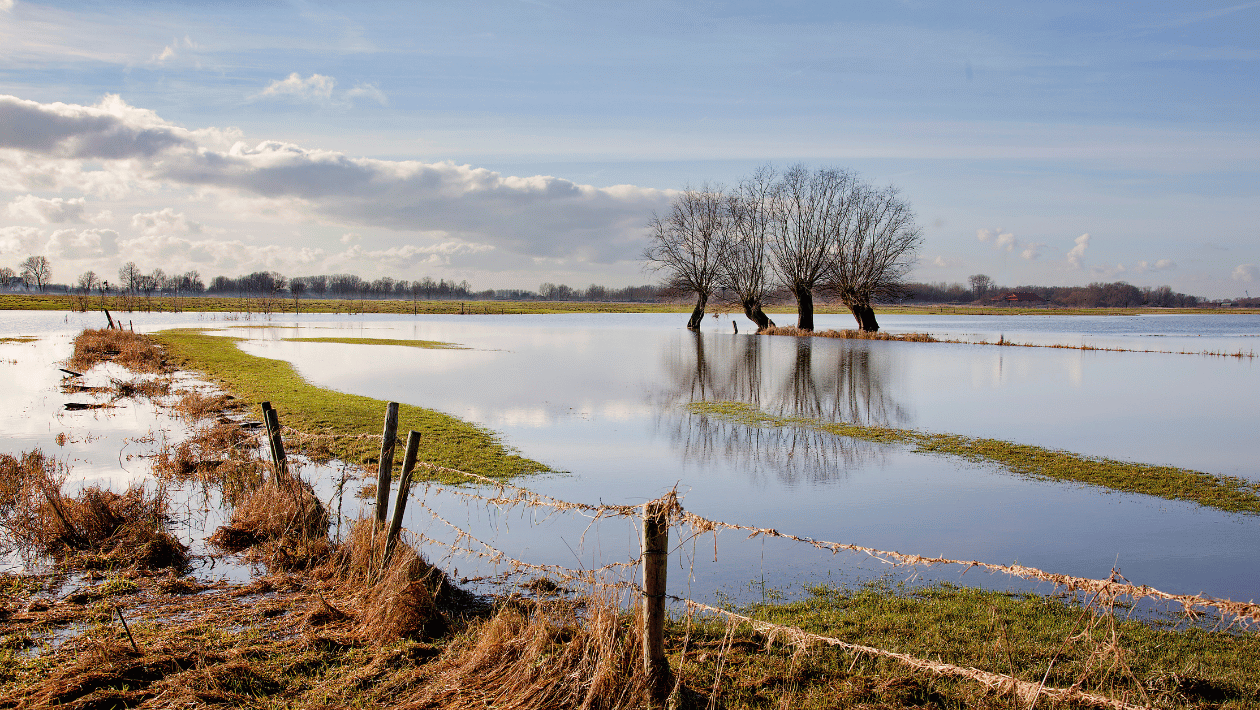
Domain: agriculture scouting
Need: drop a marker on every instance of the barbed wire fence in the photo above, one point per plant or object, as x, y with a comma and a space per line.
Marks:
655, 518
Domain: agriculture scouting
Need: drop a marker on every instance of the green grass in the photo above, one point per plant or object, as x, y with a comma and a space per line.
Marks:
1027, 636
427, 344
19, 339
337, 417
1227, 493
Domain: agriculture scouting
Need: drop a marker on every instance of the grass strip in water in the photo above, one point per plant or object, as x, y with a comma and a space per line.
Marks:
1222, 492
333, 423
19, 339
1028, 636
427, 344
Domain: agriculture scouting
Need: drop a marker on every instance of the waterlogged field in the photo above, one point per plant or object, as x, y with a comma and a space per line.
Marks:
610, 402
1087, 462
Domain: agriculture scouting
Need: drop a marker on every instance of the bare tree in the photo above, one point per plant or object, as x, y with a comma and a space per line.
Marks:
810, 208
88, 280
129, 277
980, 285
296, 288
8, 277
744, 268
36, 271
688, 244
874, 249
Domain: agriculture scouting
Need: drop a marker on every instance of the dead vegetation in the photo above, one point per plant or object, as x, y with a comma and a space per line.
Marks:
97, 529
220, 455
848, 334
131, 350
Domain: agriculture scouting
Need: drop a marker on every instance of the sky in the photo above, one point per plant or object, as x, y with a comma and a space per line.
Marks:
514, 143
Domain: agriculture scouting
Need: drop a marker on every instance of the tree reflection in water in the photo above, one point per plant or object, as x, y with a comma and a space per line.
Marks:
831, 381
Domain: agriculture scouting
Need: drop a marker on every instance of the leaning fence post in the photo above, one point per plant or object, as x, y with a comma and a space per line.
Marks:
277, 444
400, 503
655, 562
387, 462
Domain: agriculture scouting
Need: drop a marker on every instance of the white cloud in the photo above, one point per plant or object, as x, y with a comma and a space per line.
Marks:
1076, 255
171, 50
134, 149
6, 5
941, 262
316, 88
45, 211
109, 130
19, 240
350, 237
86, 244
1246, 272
1032, 251
1161, 265
1107, 272
368, 91
165, 220
1000, 240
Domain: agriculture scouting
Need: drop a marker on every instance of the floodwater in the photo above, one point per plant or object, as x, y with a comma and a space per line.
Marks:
602, 399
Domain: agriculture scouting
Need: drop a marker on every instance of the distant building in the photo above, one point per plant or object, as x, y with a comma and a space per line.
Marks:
1018, 297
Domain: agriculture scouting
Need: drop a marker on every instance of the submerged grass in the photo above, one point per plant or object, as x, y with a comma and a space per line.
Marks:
335, 424
427, 344
1222, 492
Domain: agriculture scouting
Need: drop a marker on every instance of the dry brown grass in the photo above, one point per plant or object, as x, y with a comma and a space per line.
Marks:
280, 524
131, 350
219, 455
98, 529
849, 334
195, 406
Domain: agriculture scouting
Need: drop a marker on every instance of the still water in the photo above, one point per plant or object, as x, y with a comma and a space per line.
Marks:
602, 399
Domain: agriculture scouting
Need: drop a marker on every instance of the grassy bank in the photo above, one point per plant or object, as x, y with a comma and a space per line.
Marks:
332, 424
293, 641
1214, 491
423, 344
221, 304
1030, 637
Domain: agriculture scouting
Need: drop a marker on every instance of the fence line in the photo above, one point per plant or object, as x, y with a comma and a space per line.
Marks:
1027, 691
1246, 614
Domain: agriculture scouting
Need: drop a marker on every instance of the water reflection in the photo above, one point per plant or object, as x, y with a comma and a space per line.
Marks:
839, 381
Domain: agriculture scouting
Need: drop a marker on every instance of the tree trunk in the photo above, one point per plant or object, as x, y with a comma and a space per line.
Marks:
697, 315
752, 309
804, 307
865, 317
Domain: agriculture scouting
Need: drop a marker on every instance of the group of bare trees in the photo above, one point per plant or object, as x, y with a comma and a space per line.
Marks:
825, 232
34, 272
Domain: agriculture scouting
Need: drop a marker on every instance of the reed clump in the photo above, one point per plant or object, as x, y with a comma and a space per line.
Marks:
97, 529
133, 351
282, 524
220, 454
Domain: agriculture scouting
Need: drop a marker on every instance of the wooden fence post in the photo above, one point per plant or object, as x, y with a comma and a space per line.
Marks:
277, 445
655, 563
386, 463
400, 503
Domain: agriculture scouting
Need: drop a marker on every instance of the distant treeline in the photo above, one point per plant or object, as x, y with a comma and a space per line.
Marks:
134, 283
1095, 295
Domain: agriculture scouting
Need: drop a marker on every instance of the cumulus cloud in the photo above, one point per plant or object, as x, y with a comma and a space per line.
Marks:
539, 216
1246, 272
350, 238
86, 244
6, 5
940, 262
316, 88
1161, 265
1006, 241
1076, 255
19, 240
53, 211
1032, 251
165, 220
110, 130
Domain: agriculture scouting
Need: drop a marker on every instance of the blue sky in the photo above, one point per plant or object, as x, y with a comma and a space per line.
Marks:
511, 143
